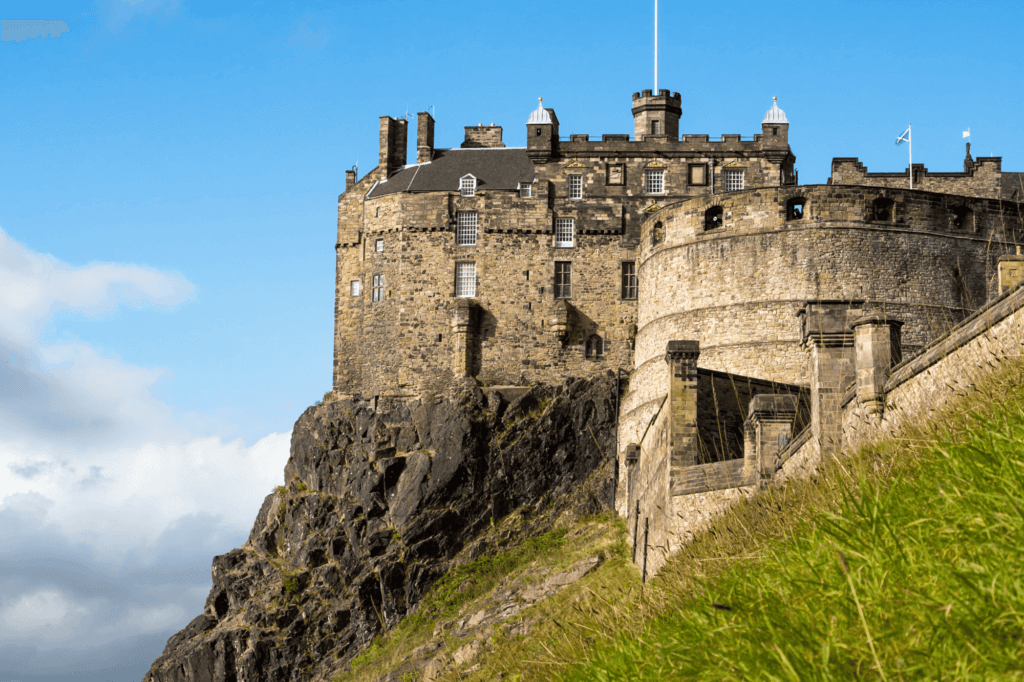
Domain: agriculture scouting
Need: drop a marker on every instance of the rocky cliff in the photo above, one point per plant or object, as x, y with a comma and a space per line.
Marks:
379, 504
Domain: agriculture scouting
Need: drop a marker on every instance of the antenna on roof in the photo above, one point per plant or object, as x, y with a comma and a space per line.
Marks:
355, 168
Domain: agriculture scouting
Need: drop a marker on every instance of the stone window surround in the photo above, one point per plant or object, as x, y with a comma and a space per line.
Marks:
731, 176
465, 279
595, 347
689, 174
377, 290
564, 226
525, 190
355, 287
629, 283
466, 228
378, 245
574, 183
563, 279
654, 181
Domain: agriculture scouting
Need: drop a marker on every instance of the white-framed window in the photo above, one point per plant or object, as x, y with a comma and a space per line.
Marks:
525, 190
565, 231
575, 186
465, 279
733, 180
355, 287
378, 246
654, 182
465, 228
467, 186
377, 290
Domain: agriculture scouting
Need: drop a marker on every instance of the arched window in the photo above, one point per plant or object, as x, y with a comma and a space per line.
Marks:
882, 210
595, 347
713, 217
657, 234
795, 208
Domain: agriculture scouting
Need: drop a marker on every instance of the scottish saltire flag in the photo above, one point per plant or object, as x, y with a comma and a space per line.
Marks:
904, 137
967, 133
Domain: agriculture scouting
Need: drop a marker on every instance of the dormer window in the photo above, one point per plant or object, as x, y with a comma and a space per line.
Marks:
467, 186
525, 190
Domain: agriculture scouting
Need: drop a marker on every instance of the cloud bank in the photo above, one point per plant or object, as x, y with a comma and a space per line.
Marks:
110, 509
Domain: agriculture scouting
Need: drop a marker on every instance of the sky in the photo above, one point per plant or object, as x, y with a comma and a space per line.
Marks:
169, 172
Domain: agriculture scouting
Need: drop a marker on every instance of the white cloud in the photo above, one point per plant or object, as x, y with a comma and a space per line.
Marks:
110, 508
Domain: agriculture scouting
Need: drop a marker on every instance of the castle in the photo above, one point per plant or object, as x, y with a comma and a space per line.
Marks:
742, 304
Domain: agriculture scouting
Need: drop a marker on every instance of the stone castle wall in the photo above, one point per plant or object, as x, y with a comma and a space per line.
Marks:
736, 288
983, 178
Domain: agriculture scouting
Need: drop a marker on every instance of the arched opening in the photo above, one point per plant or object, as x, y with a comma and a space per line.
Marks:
713, 217
657, 234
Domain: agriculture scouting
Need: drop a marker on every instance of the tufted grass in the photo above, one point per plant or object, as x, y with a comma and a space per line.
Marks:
902, 561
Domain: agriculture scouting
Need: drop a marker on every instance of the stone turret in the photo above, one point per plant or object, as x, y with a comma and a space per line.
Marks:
656, 117
542, 133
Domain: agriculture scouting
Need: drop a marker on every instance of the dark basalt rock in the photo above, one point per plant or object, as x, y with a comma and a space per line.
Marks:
378, 506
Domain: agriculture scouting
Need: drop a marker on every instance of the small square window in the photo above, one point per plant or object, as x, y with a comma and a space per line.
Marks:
525, 190
355, 287
654, 182
378, 246
563, 279
733, 180
465, 230
377, 290
465, 280
467, 186
698, 174
629, 284
565, 232
575, 186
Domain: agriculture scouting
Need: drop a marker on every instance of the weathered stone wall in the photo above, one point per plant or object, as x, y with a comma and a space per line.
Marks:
946, 369
736, 288
983, 179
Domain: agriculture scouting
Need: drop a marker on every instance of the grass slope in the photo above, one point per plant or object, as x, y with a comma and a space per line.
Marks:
901, 561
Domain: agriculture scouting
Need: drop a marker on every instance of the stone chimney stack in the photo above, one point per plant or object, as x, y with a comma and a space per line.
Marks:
394, 137
350, 179
483, 136
424, 137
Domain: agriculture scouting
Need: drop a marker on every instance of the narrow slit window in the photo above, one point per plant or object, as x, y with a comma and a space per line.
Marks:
465, 280
629, 283
563, 279
565, 232
465, 230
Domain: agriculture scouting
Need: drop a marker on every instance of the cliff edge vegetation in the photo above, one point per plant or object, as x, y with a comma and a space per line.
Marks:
900, 561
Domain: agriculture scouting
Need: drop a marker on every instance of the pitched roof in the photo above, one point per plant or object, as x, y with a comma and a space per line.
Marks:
493, 168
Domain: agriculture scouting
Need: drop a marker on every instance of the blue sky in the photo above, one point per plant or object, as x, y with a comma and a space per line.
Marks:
168, 181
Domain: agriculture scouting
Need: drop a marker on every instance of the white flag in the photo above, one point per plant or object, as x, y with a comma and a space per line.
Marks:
967, 133
904, 137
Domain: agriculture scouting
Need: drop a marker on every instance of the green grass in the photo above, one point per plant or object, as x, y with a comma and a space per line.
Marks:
904, 561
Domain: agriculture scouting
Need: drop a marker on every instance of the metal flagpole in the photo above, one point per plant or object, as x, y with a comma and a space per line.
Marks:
655, 47
910, 149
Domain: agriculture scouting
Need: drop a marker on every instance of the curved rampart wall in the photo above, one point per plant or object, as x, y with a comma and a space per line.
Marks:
737, 288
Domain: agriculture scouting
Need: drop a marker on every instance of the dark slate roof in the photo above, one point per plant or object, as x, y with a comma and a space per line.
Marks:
497, 168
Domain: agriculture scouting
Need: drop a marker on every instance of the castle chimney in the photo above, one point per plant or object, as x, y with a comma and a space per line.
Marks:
350, 179
394, 137
481, 136
424, 137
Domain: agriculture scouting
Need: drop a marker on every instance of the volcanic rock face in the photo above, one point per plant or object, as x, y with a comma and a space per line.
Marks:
379, 504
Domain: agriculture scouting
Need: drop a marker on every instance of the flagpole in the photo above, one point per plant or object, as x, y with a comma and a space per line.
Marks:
655, 47
910, 148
